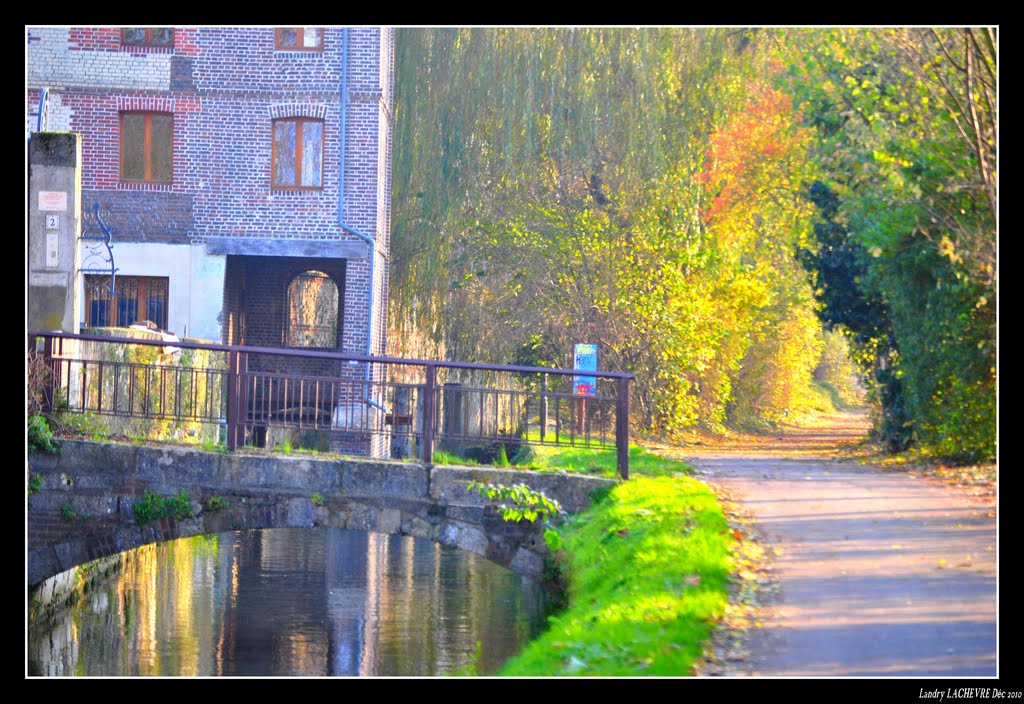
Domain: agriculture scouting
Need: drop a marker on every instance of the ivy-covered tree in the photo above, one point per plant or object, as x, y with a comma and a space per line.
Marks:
906, 120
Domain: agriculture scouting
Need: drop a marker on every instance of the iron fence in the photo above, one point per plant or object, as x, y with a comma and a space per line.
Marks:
383, 406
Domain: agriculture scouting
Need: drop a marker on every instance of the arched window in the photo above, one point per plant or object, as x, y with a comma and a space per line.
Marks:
313, 311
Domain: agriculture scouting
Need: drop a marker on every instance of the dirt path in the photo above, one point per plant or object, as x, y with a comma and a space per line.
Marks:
880, 573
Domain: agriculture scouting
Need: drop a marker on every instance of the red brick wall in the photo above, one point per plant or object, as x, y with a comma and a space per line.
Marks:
109, 39
226, 86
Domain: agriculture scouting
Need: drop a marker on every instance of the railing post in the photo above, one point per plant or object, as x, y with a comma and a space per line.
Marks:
232, 392
429, 407
622, 427
543, 407
242, 418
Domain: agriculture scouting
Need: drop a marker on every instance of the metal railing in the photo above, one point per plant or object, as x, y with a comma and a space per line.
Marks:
403, 408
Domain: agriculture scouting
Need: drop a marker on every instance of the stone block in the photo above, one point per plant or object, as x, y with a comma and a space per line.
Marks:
337, 516
361, 517
384, 479
293, 473
448, 534
527, 563
53, 149
419, 528
42, 563
299, 512
471, 539
95, 506
389, 520
70, 554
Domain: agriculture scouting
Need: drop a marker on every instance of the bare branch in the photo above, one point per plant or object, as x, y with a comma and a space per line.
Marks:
990, 45
949, 57
979, 141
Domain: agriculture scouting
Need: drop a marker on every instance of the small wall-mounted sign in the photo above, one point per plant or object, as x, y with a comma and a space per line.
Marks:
53, 200
53, 222
52, 258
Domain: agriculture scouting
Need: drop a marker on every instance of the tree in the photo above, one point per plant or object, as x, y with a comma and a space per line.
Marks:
638, 189
907, 125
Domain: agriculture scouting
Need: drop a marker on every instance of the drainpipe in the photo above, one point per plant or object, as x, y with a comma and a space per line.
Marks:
341, 215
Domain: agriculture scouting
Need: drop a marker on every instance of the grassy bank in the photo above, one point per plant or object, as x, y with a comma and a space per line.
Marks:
602, 462
598, 462
648, 571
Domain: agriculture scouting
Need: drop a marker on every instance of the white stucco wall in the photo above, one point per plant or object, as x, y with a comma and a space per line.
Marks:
195, 288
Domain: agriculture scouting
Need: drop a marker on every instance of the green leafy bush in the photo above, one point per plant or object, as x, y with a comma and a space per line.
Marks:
519, 502
553, 539
40, 437
85, 424
216, 503
150, 508
180, 506
523, 455
154, 506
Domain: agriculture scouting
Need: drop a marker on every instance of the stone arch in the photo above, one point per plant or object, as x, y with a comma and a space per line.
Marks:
99, 483
519, 548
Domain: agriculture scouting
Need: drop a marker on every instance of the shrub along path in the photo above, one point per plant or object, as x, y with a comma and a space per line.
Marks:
880, 572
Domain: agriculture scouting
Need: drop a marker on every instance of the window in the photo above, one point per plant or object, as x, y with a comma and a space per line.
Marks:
148, 36
135, 298
313, 311
146, 146
298, 153
299, 39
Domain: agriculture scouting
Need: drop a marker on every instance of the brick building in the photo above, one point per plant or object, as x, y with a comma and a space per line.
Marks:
243, 174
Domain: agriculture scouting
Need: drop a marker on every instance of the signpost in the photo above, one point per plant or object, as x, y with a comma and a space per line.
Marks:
584, 359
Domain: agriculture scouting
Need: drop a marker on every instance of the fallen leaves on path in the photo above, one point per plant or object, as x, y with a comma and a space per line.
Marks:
753, 589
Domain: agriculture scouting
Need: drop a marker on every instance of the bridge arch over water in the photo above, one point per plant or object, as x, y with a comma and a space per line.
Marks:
83, 508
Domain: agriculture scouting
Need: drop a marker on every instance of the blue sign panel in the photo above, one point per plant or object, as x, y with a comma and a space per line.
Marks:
584, 360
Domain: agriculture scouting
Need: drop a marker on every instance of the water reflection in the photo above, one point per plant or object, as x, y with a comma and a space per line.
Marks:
293, 601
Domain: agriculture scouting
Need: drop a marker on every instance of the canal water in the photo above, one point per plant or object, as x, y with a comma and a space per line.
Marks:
294, 602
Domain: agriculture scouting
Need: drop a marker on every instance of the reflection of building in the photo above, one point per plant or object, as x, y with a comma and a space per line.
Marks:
292, 602
244, 175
